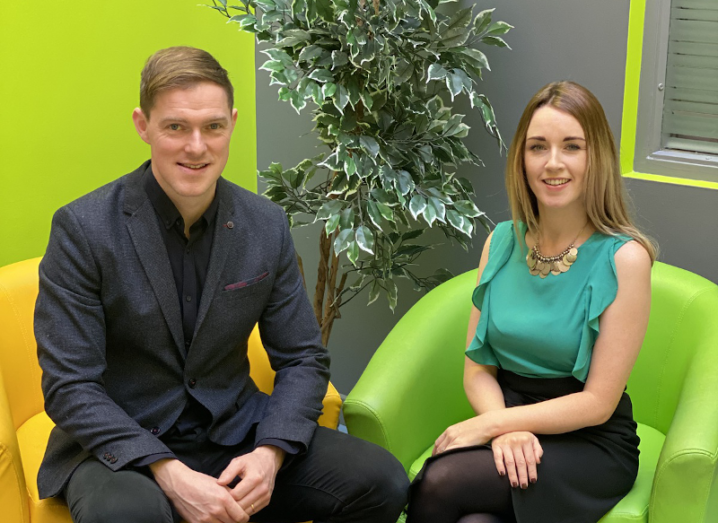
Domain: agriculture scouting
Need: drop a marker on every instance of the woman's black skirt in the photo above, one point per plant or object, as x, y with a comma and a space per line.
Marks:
583, 474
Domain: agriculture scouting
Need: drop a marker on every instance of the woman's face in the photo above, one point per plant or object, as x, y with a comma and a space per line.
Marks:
555, 159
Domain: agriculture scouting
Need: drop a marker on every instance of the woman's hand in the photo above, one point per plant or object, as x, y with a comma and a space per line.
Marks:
473, 431
517, 454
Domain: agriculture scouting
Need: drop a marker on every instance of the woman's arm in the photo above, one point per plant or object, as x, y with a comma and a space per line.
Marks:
622, 329
480, 383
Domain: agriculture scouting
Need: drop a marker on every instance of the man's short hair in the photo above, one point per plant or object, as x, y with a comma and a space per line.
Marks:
180, 68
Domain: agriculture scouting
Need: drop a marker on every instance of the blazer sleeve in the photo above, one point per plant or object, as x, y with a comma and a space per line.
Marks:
291, 336
70, 333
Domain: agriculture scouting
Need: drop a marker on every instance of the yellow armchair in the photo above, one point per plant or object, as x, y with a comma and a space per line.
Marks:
24, 426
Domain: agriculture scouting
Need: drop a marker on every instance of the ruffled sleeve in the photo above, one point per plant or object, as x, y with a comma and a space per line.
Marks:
502, 243
600, 293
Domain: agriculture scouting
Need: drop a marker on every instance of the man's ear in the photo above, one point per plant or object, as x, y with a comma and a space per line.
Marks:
234, 117
141, 123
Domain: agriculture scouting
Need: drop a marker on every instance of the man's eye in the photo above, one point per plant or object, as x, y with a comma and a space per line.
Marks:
174, 126
214, 126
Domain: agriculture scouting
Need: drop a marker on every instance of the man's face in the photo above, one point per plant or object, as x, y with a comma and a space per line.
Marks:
188, 131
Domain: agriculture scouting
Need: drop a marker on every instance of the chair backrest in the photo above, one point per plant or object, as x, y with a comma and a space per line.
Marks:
683, 324
18, 350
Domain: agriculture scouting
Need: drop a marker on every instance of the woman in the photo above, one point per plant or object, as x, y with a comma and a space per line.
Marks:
561, 308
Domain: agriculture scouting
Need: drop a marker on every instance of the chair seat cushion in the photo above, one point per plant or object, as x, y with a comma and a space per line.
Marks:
634, 507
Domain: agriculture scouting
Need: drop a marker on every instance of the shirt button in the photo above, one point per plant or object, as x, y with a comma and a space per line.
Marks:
192, 383
188, 298
155, 430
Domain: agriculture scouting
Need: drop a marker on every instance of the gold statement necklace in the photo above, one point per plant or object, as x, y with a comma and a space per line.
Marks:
540, 265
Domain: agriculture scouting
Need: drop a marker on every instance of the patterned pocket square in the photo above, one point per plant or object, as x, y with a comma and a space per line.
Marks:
245, 283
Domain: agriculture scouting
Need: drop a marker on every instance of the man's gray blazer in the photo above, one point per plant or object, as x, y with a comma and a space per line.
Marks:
116, 371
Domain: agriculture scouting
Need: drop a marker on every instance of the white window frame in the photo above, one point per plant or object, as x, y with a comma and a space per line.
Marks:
650, 156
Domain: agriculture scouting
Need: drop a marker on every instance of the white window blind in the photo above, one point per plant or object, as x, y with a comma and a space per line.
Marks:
690, 103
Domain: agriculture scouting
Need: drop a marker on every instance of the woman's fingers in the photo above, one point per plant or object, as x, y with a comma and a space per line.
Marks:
510, 463
530, 457
538, 450
499, 460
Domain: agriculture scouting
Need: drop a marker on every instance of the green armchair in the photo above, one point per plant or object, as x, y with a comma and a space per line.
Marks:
412, 390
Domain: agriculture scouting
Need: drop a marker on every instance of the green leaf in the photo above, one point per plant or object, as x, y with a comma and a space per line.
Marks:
365, 239
482, 21
467, 208
496, 41
417, 205
341, 98
367, 100
297, 101
403, 71
328, 89
385, 211
339, 185
284, 94
391, 293
272, 65
370, 145
332, 162
436, 72
457, 24
349, 166
309, 53
477, 56
374, 292
279, 55
404, 182
429, 215
346, 221
329, 209
331, 224
321, 75
374, 214
455, 84
325, 9
339, 58
353, 252
353, 88
460, 222
359, 35
438, 207
499, 28
342, 241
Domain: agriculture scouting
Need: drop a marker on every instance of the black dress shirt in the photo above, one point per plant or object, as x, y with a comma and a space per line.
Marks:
189, 259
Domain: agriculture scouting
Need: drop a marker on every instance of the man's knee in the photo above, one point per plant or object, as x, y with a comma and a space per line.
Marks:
380, 478
98, 495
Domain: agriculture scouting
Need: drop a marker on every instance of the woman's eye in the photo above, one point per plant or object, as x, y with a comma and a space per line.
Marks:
536, 147
573, 147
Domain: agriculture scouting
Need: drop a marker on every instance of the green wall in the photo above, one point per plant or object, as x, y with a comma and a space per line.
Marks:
69, 80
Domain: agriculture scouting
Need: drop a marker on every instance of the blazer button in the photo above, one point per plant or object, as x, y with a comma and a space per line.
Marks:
113, 460
192, 383
155, 430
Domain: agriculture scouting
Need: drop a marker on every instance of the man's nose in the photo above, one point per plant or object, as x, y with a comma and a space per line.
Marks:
196, 144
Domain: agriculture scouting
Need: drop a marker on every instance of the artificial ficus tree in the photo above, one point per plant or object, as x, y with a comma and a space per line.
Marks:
380, 76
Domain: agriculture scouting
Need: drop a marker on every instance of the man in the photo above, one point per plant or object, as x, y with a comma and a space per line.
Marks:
149, 290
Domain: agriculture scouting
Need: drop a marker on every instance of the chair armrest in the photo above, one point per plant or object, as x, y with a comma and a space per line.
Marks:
13, 492
412, 388
685, 487
332, 405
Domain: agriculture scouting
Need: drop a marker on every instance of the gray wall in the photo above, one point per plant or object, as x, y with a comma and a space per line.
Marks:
552, 40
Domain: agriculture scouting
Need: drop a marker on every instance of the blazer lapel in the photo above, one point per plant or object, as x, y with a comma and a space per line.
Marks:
226, 232
145, 234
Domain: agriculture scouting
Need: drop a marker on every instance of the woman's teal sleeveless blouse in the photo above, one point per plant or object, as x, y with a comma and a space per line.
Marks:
542, 327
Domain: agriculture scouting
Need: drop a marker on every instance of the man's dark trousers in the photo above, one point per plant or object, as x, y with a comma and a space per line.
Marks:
339, 479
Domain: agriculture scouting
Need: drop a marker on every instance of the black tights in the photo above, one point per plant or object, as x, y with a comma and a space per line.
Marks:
461, 487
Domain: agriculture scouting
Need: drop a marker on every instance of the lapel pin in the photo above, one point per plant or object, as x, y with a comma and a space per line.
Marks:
229, 225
